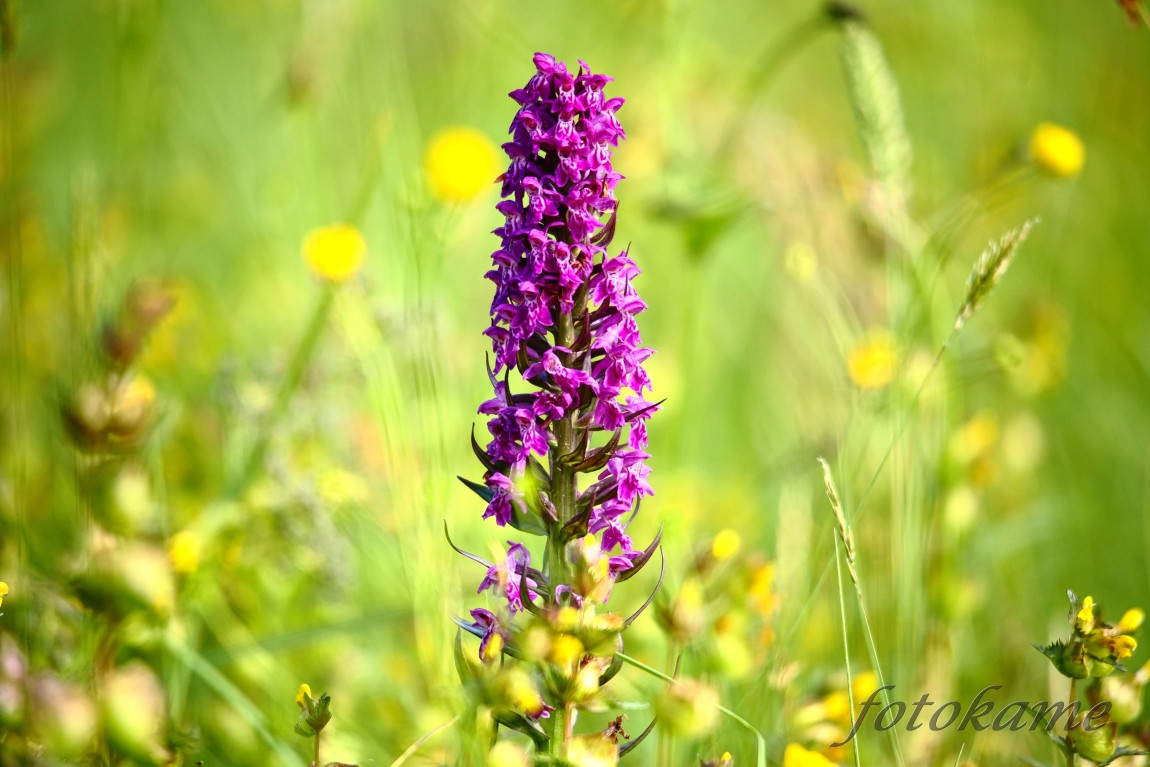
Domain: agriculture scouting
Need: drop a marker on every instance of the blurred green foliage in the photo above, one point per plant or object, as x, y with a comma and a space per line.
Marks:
197, 143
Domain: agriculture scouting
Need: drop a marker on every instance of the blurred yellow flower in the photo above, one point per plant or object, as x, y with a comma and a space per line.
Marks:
3, 591
334, 253
302, 696
1056, 151
184, 551
508, 754
726, 544
762, 589
797, 756
1129, 623
460, 163
871, 361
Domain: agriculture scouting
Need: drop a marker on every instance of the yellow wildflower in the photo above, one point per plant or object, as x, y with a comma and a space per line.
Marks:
508, 754
3, 591
184, 551
566, 651
460, 163
797, 756
726, 544
1056, 151
871, 361
302, 696
1085, 621
334, 253
1131, 620
1123, 646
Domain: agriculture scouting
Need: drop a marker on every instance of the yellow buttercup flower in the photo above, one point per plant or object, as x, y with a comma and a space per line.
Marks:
797, 756
1056, 151
184, 551
302, 696
3, 591
334, 253
726, 544
460, 163
871, 362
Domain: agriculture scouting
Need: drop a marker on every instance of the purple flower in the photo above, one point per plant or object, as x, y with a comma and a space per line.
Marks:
506, 575
563, 317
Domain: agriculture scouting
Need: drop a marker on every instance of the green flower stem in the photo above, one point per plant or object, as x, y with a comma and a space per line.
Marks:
1073, 696
559, 734
287, 390
761, 750
316, 748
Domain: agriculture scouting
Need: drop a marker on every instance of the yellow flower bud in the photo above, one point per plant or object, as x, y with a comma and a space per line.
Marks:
508, 754
870, 362
566, 651
1056, 151
726, 545
3, 591
689, 708
302, 696
460, 163
184, 551
1085, 621
334, 253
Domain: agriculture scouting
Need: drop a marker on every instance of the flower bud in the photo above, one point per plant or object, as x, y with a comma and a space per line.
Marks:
1095, 745
689, 708
133, 708
508, 754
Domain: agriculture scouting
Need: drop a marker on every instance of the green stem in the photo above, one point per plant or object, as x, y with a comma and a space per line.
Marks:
317, 748
559, 735
1071, 698
288, 387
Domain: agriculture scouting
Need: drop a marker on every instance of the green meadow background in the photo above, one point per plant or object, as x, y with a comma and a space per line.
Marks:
198, 142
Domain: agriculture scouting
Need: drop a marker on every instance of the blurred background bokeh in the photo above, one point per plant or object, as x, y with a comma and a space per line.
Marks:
254, 494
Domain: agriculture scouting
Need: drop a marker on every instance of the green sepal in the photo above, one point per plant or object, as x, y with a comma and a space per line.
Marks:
643, 558
462, 667
484, 492
524, 523
1065, 660
630, 745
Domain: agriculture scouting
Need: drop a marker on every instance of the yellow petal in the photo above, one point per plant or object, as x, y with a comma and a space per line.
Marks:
1056, 151
334, 253
1131, 620
460, 163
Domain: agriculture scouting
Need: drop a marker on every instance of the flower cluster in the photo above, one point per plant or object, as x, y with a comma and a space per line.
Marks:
564, 317
568, 403
1093, 653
